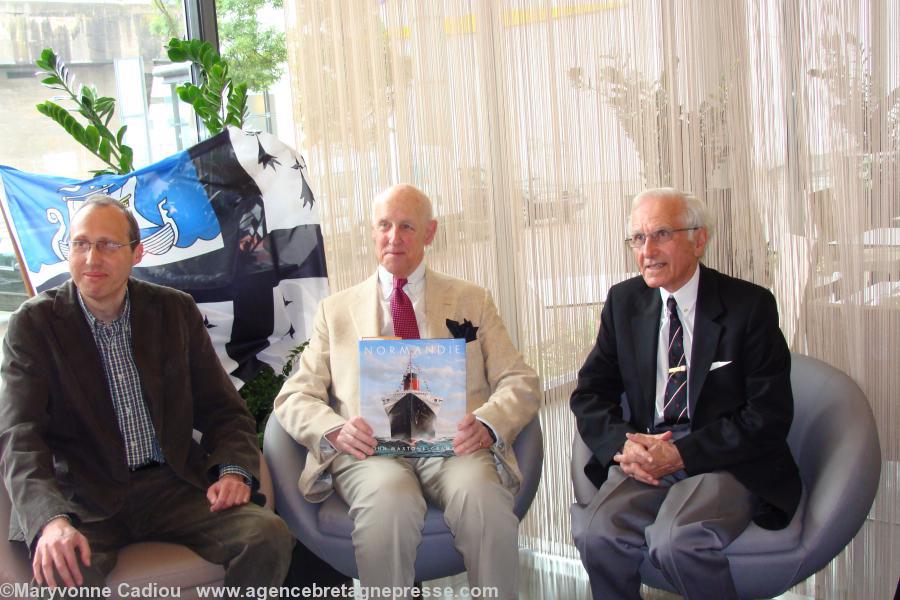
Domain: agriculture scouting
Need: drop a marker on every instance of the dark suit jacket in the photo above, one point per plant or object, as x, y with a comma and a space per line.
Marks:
61, 449
741, 412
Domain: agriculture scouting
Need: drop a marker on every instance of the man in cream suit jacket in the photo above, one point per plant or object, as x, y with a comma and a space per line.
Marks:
319, 406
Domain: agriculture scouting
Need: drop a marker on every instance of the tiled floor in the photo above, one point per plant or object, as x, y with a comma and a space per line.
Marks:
547, 577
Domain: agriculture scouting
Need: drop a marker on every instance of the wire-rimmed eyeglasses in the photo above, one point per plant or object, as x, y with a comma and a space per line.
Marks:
660, 236
102, 246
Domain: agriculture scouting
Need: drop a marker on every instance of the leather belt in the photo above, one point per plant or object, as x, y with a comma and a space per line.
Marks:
147, 465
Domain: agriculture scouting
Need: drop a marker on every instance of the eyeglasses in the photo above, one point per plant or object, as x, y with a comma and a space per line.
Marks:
102, 246
660, 236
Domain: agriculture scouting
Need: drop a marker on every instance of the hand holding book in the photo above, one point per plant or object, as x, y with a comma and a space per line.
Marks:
413, 395
355, 438
473, 436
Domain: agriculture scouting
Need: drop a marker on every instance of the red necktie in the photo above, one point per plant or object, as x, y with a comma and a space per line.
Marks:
402, 313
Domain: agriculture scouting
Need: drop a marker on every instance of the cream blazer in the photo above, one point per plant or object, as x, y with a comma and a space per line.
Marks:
324, 392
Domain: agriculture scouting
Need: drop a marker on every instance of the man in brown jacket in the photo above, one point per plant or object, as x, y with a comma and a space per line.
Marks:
104, 379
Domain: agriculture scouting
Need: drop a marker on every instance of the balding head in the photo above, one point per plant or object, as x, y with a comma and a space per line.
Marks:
411, 194
402, 225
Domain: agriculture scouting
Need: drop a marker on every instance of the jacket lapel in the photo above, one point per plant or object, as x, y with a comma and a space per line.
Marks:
147, 341
707, 332
365, 309
85, 369
645, 326
439, 300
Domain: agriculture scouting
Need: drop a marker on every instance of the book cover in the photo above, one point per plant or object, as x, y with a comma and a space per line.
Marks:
413, 394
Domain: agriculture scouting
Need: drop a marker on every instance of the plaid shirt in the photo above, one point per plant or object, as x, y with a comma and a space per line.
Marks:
114, 342
116, 352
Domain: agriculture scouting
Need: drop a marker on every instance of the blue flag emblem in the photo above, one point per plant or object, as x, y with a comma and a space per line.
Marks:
171, 206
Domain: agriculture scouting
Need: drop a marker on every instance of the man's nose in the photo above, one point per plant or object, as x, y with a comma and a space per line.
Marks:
92, 253
650, 245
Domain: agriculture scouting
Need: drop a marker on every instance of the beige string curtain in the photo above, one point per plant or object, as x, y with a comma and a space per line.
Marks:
531, 124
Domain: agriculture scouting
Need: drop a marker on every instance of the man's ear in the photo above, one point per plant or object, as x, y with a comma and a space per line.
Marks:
138, 254
430, 231
701, 236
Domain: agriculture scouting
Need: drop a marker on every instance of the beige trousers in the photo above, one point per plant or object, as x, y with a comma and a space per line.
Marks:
387, 498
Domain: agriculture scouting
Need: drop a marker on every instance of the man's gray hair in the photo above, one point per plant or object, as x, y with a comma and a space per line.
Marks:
696, 214
406, 189
134, 231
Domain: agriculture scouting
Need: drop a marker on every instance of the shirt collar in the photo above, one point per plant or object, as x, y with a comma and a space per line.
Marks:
386, 279
686, 295
95, 322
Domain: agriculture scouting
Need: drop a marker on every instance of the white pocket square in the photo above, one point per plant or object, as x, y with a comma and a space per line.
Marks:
719, 363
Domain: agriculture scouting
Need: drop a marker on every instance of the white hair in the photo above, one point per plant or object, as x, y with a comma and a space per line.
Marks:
695, 214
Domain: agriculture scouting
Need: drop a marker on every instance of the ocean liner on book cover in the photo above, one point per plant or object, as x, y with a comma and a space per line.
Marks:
412, 393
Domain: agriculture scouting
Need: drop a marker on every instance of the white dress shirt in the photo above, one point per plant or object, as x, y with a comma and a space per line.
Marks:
686, 297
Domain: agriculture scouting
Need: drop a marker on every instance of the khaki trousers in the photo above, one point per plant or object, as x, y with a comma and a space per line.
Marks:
387, 498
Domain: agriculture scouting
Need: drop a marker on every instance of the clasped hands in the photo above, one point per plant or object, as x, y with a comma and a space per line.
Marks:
355, 437
55, 551
648, 457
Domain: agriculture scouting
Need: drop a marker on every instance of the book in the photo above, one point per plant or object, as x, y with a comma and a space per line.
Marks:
413, 394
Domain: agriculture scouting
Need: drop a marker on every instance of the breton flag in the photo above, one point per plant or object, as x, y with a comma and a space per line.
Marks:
231, 221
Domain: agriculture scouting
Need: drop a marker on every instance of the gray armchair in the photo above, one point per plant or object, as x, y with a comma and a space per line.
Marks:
835, 443
325, 528
164, 564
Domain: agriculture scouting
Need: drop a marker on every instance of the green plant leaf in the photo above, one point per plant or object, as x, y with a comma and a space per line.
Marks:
175, 50
88, 95
208, 56
105, 107
126, 159
121, 134
104, 149
48, 57
237, 106
63, 118
217, 100
97, 109
194, 47
292, 357
104, 104
91, 138
188, 92
47, 60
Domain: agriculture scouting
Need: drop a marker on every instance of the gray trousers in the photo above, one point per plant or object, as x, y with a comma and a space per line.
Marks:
252, 543
684, 523
387, 498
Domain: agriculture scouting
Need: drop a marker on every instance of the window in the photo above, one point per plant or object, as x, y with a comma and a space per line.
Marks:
117, 46
251, 39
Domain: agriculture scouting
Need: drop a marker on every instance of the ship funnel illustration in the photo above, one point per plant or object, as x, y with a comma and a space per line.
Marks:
411, 409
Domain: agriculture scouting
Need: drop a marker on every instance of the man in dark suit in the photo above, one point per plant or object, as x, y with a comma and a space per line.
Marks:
705, 373
104, 379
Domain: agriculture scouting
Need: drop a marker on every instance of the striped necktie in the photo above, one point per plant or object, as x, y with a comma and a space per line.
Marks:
675, 409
